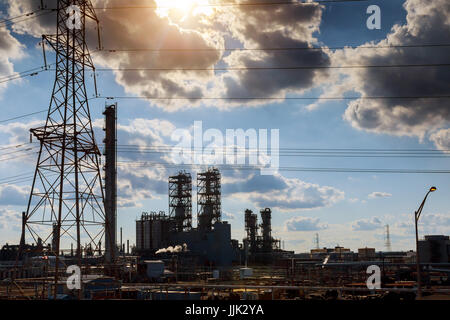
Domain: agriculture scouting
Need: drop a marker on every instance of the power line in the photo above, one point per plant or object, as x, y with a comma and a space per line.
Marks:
279, 68
40, 68
358, 150
241, 98
250, 4
275, 98
21, 76
275, 49
34, 16
299, 149
17, 157
311, 155
221, 5
16, 176
18, 180
20, 16
292, 152
294, 169
17, 151
23, 116
13, 146
433, 153
23, 178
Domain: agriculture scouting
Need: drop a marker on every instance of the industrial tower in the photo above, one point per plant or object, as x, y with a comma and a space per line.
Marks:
388, 240
261, 247
180, 201
266, 229
208, 198
66, 202
111, 183
251, 227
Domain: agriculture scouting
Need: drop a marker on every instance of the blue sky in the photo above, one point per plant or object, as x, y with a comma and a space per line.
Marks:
357, 205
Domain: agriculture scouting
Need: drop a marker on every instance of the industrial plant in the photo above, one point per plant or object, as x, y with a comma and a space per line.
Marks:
207, 244
183, 251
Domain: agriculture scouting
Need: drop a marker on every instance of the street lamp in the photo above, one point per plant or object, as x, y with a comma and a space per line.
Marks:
416, 220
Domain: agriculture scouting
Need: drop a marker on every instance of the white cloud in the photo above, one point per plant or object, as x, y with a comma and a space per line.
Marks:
284, 194
229, 216
377, 194
304, 224
10, 219
10, 49
430, 223
13, 195
367, 224
19, 132
441, 139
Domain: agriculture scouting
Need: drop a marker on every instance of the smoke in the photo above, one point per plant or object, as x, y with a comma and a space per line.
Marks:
175, 249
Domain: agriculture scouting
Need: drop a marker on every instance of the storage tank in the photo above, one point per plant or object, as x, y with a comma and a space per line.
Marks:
139, 235
156, 234
147, 234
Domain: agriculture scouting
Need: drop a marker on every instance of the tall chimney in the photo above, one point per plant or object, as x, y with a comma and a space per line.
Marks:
110, 183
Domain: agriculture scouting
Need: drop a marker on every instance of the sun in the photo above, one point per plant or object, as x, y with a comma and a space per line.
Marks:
183, 8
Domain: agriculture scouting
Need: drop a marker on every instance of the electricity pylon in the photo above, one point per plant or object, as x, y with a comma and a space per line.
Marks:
66, 202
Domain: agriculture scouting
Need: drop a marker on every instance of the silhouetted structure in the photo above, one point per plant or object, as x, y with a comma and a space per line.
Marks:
180, 201
251, 227
261, 248
110, 183
208, 198
66, 199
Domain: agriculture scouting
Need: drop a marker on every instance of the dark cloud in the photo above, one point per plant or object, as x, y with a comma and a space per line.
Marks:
427, 23
255, 27
138, 29
274, 27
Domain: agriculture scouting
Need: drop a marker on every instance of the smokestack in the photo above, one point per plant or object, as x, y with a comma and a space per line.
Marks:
110, 183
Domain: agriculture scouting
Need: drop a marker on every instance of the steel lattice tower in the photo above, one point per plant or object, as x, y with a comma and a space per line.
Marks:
388, 239
180, 201
66, 202
209, 201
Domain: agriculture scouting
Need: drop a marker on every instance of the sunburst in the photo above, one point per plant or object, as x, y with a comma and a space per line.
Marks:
183, 8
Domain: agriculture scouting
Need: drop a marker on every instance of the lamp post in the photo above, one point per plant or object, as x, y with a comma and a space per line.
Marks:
416, 220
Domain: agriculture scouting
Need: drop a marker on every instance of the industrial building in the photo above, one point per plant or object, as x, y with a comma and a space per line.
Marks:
435, 249
210, 241
260, 248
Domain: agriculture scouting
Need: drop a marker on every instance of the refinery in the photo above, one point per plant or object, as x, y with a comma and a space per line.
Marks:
173, 260
71, 247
